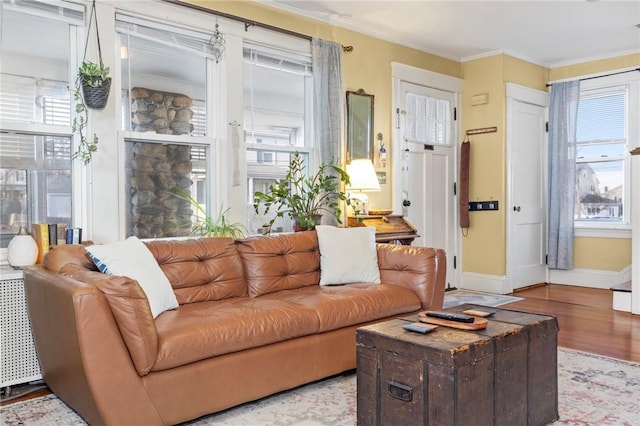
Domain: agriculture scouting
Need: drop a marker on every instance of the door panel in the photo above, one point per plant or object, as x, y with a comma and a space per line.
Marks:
527, 230
428, 175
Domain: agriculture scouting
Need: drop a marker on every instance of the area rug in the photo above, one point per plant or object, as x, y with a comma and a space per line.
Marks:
592, 390
459, 297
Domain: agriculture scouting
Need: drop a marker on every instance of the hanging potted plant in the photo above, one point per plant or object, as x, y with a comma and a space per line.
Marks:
95, 82
304, 198
91, 91
94, 77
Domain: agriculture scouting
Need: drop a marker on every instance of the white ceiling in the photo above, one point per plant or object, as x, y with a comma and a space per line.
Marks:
549, 33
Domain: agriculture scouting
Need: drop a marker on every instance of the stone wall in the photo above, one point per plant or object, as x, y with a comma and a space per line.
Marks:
154, 209
161, 112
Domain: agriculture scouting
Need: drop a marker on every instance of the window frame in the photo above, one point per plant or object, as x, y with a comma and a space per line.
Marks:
72, 16
309, 148
612, 84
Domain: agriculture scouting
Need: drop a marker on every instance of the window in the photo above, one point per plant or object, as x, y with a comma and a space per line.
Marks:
165, 81
35, 115
429, 120
602, 159
277, 105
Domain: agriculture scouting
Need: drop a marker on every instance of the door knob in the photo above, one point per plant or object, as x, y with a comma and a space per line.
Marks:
406, 203
516, 208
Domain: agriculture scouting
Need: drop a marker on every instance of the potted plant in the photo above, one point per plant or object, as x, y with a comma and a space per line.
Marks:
95, 82
304, 198
92, 87
211, 226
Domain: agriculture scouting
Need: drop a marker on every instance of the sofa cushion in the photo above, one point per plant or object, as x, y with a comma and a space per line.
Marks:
346, 305
347, 255
130, 308
280, 262
131, 258
201, 269
202, 330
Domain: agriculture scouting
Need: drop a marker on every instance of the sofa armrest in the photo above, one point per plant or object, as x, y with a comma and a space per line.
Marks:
421, 269
82, 355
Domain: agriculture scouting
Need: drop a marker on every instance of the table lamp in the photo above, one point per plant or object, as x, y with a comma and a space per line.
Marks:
363, 179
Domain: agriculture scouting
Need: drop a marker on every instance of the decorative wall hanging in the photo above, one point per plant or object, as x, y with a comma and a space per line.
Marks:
216, 42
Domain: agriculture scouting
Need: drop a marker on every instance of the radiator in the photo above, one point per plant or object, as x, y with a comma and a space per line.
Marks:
19, 360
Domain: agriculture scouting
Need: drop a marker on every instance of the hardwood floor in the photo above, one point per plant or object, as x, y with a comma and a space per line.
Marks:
585, 317
586, 320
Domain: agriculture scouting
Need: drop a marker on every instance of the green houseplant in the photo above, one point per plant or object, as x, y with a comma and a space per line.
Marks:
91, 91
90, 75
208, 225
304, 198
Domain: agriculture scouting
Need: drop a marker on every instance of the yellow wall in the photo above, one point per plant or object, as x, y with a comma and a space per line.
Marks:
606, 254
594, 67
369, 67
484, 247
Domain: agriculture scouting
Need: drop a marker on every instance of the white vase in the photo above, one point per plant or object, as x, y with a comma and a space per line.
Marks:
22, 250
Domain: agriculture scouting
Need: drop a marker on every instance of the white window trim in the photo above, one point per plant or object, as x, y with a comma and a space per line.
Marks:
616, 229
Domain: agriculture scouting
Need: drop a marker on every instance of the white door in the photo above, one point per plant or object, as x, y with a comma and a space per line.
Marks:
428, 168
526, 209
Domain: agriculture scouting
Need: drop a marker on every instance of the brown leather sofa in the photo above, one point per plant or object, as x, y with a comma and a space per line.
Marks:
252, 321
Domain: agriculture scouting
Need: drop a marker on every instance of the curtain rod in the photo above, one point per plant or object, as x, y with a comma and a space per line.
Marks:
248, 23
603, 75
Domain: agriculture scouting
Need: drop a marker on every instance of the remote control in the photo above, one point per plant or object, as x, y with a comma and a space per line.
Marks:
419, 327
451, 316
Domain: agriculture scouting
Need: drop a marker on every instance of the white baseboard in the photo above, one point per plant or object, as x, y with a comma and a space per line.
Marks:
485, 283
593, 278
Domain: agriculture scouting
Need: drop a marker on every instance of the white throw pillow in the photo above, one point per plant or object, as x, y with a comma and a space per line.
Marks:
132, 258
347, 255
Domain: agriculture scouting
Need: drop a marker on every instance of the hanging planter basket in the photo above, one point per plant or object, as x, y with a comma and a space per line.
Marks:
93, 77
96, 92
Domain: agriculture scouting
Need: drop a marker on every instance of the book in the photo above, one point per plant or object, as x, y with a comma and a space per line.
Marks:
62, 233
53, 234
74, 236
40, 233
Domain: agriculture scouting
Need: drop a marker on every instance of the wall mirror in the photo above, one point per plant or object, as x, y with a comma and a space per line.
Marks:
359, 125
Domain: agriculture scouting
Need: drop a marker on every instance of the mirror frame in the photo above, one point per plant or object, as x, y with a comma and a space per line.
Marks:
360, 143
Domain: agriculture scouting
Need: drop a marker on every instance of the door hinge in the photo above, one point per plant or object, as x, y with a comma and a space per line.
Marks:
546, 127
546, 259
397, 118
455, 188
455, 261
455, 114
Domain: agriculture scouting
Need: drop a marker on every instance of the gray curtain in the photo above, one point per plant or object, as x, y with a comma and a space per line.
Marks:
328, 98
562, 172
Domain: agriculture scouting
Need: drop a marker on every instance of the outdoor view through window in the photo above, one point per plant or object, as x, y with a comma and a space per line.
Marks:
600, 155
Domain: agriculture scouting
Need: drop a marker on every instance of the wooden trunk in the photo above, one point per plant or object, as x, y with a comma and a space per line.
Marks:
505, 374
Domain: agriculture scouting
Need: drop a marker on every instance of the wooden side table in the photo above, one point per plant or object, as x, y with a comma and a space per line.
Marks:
389, 229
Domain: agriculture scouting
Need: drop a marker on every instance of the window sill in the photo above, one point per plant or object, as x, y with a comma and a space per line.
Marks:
592, 232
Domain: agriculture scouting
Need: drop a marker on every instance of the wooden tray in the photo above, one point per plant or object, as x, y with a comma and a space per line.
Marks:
477, 324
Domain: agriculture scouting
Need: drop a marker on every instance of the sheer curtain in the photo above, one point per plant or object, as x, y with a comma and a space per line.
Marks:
562, 172
328, 98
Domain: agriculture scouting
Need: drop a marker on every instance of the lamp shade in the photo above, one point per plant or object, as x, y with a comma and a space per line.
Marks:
362, 176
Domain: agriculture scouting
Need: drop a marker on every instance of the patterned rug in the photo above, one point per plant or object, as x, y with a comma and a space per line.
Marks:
592, 390
459, 297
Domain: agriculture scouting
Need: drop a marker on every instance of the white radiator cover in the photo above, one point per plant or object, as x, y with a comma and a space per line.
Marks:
19, 360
